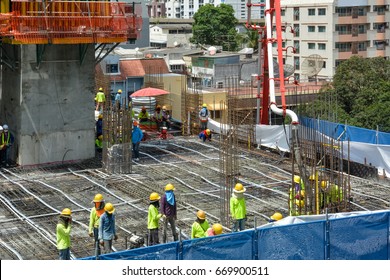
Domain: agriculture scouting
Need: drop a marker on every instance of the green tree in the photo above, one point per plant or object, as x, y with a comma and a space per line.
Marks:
215, 26
359, 95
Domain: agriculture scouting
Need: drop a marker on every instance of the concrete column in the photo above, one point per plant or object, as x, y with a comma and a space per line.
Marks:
50, 108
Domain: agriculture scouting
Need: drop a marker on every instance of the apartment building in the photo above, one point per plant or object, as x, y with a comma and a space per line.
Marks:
320, 34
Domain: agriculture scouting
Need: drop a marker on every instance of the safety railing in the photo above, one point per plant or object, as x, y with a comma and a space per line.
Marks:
71, 22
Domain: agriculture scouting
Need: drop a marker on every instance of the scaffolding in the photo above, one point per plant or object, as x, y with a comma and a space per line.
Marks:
117, 130
70, 22
191, 102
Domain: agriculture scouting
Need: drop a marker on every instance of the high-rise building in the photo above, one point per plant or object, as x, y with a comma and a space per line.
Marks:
320, 34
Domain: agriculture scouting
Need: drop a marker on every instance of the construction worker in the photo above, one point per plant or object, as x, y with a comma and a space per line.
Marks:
216, 229
107, 230
238, 207
6, 142
100, 98
158, 117
96, 211
200, 226
166, 117
99, 143
143, 116
275, 217
63, 234
205, 135
169, 211
118, 99
297, 196
204, 116
99, 125
153, 218
136, 138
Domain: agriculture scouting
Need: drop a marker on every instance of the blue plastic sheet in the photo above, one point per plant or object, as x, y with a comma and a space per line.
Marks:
351, 236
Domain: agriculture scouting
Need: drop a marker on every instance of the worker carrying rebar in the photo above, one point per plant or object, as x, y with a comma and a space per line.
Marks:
204, 116
200, 226
153, 218
107, 228
96, 212
169, 211
100, 98
238, 208
205, 135
215, 229
63, 234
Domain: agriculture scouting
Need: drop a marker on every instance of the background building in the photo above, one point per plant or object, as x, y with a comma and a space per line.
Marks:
324, 33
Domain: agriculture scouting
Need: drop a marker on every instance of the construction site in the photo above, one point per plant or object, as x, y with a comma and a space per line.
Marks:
203, 173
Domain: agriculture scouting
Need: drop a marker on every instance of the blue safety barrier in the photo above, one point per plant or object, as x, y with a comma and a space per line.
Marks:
350, 237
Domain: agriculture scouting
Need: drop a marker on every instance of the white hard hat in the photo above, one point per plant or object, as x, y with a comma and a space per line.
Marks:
5, 127
1, 128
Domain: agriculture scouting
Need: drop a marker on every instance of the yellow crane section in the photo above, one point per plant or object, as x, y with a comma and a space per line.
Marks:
69, 22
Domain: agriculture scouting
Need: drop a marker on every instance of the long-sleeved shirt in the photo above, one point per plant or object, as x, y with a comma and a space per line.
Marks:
107, 229
137, 135
199, 230
237, 208
203, 135
153, 217
63, 236
166, 208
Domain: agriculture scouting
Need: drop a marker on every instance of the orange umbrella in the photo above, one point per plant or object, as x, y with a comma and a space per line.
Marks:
148, 92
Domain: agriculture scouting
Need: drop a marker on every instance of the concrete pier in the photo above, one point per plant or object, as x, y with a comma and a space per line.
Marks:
49, 104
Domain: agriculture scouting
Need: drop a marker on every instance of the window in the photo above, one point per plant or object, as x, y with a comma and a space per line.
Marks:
112, 68
311, 46
296, 62
321, 46
296, 30
322, 12
282, 12
311, 28
296, 13
296, 46
324, 64
321, 28
311, 12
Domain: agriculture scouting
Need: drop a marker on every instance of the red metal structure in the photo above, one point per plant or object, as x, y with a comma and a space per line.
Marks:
273, 15
69, 22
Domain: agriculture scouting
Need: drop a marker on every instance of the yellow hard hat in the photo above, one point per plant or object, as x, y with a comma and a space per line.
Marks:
217, 228
324, 184
208, 132
276, 216
169, 187
98, 198
204, 105
66, 212
312, 177
119, 90
109, 208
201, 214
297, 179
299, 202
164, 107
154, 196
100, 89
100, 137
100, 116
239, 188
